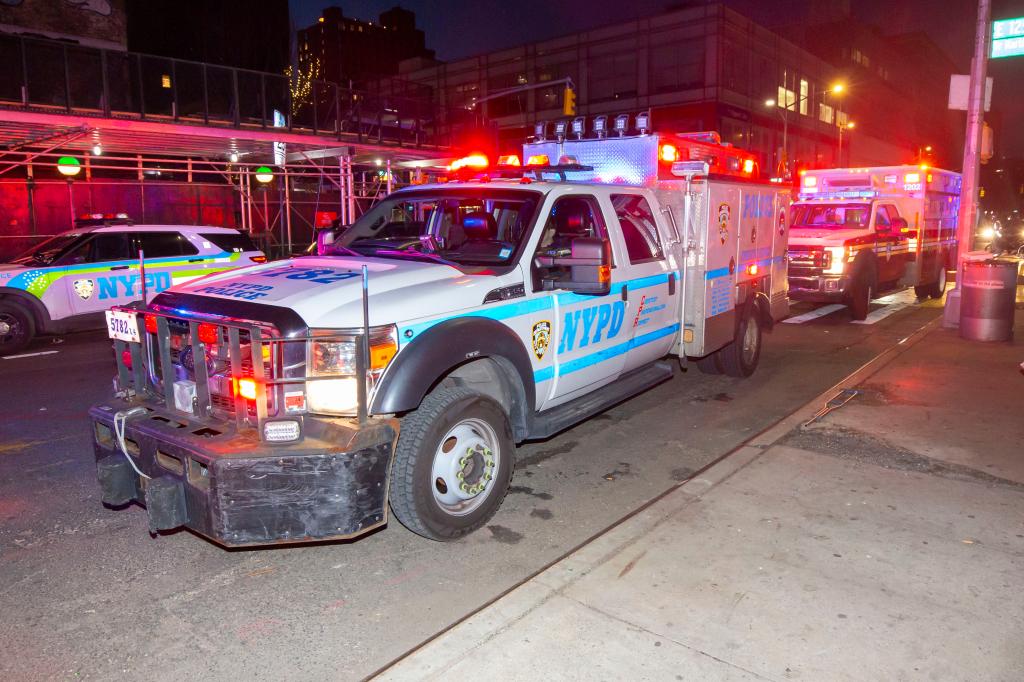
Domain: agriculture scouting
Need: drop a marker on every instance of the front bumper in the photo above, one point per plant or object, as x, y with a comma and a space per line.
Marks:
817, 288
227, 485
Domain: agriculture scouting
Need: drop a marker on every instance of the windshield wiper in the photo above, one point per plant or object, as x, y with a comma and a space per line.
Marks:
413, 255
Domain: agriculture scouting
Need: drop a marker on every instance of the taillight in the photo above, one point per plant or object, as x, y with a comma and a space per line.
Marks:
151, 324
126, 358
258, 259
208, 334
752, 269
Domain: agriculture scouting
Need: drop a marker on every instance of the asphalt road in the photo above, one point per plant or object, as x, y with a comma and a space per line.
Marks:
87, 593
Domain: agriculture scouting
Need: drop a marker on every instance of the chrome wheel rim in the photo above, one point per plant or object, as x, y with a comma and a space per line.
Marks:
942, 279
465, 465
10, 328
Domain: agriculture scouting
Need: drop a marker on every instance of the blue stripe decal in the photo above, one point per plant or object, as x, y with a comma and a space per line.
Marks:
716, 273
504, 312
604, 354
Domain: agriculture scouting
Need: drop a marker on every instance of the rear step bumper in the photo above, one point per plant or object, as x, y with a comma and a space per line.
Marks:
236, 490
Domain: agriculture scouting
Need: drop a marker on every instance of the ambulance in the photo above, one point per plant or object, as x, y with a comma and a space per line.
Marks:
856, 232
400, 366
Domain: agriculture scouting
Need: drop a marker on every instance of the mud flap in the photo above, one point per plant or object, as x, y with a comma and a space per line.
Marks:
117, 480
165, 502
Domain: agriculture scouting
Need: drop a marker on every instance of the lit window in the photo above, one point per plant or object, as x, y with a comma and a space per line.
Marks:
826, 113
786, 99
165, 81
804, 96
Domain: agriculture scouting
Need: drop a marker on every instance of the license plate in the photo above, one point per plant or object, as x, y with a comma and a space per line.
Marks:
122, 326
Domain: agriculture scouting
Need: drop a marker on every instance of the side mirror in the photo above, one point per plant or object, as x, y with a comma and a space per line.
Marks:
590, 267
900, 226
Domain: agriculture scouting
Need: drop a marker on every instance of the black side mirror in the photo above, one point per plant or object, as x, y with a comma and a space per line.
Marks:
590, 267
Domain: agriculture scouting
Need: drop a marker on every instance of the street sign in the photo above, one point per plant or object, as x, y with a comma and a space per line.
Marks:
1008, 38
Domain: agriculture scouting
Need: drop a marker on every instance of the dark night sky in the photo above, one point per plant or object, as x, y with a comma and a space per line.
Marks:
459, 28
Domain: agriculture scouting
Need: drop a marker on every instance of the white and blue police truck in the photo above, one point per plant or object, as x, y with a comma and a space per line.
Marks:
66, 282
298, 400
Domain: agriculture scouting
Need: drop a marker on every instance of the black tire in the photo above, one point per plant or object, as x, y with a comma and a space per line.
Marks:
938, 288
18, 328
740, 358
709, 364
859, 300
413, 482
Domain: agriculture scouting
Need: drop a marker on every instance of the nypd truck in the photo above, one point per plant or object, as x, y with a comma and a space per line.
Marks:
298, 400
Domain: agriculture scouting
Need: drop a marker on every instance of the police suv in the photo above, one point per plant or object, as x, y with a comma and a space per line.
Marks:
293, 401
65, 283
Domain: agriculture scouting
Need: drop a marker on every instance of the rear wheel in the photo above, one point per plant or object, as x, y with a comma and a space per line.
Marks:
740, 358
453, 464
709, 364
939, 287
16, 328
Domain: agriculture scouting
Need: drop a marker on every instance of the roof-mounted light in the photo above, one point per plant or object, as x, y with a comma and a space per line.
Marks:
748, 166
621, 124
810, 181
600, 126
538, 160
643, 122
471, 161
668, 153
509, 160
560, 127
567, 160
578, 127
540, 131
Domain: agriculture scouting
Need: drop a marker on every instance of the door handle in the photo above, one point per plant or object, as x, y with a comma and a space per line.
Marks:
625, 293
196, 260
671, 284
120, 267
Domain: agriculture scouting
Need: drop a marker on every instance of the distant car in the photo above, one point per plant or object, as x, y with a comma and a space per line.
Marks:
65, 283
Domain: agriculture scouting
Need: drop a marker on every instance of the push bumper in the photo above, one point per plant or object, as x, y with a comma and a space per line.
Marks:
232, 488
818, 288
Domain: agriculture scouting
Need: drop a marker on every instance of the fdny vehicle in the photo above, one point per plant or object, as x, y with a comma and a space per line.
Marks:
857, 231
66, 282
294, 401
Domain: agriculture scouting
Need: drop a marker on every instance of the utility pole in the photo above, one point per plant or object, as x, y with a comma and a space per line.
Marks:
972, 156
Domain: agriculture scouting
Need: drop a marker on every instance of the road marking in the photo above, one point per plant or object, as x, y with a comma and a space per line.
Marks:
31, 355
814, 314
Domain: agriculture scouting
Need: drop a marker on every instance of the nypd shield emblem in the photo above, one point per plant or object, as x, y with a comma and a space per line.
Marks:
84, 288
541, 338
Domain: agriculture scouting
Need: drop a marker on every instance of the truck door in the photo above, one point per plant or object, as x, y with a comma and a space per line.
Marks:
890, 244
652, 282
588, 333
101, 273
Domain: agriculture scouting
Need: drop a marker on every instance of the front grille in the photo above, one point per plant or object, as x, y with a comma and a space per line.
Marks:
805, 262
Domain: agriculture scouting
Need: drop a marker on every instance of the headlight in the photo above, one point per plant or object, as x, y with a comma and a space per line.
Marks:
334, 355
987, 233
835, 257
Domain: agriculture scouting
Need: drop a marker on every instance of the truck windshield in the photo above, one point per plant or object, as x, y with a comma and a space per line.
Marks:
48, 251
832, 216
466, 226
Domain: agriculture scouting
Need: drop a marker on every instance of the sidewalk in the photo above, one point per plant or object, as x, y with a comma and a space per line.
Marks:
885, 541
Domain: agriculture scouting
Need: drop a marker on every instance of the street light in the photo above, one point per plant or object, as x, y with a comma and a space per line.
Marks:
264, 174
68, 166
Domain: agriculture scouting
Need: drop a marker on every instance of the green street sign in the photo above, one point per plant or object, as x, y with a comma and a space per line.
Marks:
1007, 38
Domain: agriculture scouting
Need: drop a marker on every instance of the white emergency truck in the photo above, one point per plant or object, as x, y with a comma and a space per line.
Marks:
65, 283
293, 401
858, 231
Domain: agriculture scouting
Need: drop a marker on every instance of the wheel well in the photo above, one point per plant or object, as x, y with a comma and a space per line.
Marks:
40, 315
496, 378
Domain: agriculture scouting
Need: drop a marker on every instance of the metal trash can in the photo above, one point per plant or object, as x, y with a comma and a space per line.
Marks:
987, 299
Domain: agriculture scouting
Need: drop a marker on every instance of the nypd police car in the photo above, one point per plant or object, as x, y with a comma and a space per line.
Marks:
66, 282
298, 400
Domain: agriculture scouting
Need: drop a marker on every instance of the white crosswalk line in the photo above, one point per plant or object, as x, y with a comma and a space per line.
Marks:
31, 355
814, 314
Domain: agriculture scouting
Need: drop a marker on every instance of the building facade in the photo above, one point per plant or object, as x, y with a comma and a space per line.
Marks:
344, 49
698, 68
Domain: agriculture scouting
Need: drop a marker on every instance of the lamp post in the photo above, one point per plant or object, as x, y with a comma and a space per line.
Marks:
69, 167
850, 125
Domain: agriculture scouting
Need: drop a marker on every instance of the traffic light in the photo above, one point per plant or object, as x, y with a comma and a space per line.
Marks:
569, 102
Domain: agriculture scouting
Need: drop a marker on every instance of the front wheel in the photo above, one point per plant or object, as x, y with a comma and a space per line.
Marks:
861, 294
453, 464
16, 328
740, 358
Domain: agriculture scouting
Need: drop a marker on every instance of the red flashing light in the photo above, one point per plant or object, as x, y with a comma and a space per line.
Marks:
245, 388
668, 153
126, 358
471, 161
208, 334
151, 324
752, 269
748, 166
258, 259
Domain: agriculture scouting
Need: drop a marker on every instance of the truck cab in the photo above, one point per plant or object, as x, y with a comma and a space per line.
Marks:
857, 232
